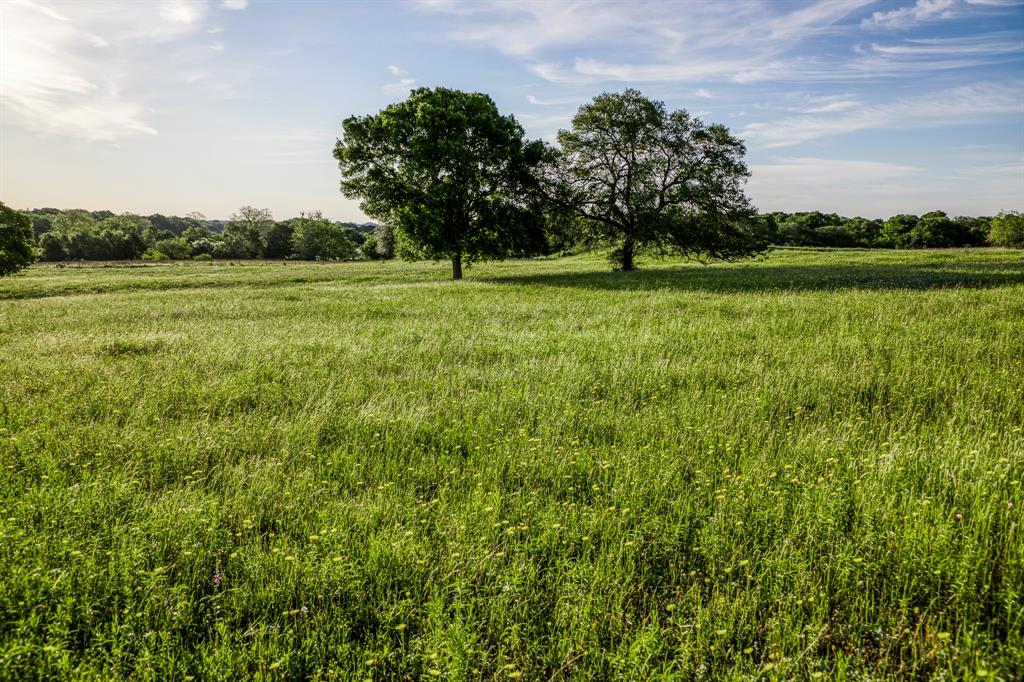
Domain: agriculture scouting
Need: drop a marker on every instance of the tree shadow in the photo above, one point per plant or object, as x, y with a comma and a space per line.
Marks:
766, 277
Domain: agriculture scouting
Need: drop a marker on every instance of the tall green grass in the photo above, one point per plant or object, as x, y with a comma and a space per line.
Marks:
804, 467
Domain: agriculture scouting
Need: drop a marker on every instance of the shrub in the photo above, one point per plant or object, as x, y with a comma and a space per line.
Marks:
203, 257
153, 254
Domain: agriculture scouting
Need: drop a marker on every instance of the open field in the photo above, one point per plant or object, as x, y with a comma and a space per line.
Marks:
808, 466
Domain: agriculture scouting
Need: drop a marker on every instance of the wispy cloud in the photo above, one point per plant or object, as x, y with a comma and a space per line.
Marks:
596, 71
742, 41
553, 102
828, 103
527, 27
992, 44
403, 85
234, 4
921, 11
974, 102
68, 69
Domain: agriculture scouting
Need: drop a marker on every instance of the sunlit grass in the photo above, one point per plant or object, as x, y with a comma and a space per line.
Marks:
805, 466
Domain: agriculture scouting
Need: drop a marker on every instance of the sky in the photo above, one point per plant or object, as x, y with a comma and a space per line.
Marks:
859, 107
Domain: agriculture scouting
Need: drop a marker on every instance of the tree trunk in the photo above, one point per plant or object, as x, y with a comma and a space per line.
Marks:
627, 255
457, 266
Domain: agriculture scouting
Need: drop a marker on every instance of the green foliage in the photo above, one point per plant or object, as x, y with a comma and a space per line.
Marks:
277, 240
642, 177
54, 246
79, 235
42, 220
176, 248
384, 235
152, 253
934, 229
101, 235
316, 238
974, 229
205, 246
245, 233
206, 257
1008, 229
369, 248
863, 232
17, 250
800, 468
448, 171
73, 220
896, 231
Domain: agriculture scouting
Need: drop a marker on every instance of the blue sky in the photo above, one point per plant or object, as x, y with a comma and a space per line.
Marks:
859, 107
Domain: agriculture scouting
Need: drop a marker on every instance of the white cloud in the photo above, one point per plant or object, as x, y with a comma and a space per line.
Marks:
740, 41
75, 70
525, 27
595, 70
530, 26
400, 87
234, 4
555, 102
816, 17
828, 104
703, 94
921, 11
956, 105
984, 45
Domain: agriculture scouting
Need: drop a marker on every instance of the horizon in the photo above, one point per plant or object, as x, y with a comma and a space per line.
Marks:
852, 107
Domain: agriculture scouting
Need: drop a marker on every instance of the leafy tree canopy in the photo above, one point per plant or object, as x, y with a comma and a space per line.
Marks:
449, 172
16, 241
245, 233
316, 238
1008, 229
641, 176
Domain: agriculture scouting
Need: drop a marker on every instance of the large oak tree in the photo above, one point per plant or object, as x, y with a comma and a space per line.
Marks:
449, 172
640, 176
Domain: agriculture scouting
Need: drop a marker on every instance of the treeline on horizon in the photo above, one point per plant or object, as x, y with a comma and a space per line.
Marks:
251, 233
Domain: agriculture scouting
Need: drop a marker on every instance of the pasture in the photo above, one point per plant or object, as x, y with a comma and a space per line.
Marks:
805, 466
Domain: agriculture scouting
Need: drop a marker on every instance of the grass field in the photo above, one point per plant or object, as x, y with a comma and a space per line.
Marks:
804, 467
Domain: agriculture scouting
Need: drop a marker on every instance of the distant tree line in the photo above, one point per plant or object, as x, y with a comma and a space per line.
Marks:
903, 231
76, 234
251, 233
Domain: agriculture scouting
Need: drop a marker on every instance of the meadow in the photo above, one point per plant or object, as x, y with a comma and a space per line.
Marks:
806, 466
